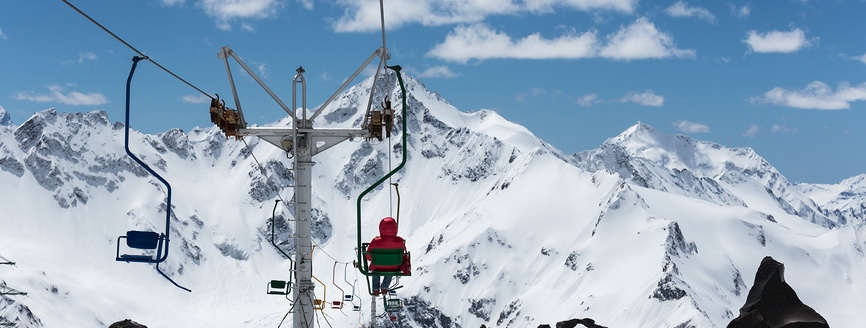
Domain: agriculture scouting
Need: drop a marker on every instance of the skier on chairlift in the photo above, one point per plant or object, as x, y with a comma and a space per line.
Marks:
387, 239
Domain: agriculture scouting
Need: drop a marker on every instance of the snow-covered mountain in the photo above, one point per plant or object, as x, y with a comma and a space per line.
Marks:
648, 230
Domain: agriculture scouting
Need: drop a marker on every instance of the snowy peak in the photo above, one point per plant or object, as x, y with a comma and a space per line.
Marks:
5, 119
845, 200
682, 165
428, 112
683, 152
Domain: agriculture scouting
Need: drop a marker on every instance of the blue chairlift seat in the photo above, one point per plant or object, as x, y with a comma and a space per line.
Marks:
145, 240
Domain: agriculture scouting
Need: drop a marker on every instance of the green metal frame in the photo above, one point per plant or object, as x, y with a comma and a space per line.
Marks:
363, 267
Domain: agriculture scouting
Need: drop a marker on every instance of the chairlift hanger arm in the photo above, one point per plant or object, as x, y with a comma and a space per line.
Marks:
361, 248
163, 238
164, 256
226, 52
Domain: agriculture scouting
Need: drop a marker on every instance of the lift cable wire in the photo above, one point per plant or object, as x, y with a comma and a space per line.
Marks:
276, 189
136, 50
290, 310
265, 173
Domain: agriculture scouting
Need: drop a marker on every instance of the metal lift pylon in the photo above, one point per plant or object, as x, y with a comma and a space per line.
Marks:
303, 141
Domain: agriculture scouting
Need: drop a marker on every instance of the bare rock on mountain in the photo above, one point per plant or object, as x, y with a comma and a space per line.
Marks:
772, 303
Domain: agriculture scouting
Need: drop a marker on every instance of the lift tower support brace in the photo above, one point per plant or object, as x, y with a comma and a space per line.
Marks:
303, 141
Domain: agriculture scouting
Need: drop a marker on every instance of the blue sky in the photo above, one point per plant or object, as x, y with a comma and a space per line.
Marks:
786, 78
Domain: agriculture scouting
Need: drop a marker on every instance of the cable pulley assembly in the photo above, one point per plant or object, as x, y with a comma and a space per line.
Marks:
227, 119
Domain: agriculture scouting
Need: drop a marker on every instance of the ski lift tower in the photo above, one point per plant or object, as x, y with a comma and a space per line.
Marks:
303, 141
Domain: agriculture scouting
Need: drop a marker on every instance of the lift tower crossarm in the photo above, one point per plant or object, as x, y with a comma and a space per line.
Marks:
381, 53
326, 137
224, 54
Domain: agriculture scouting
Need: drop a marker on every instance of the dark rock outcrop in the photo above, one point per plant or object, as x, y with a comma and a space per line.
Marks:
585, 322
772, 303
126, 323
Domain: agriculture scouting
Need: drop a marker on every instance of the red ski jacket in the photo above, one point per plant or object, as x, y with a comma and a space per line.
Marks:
387, 238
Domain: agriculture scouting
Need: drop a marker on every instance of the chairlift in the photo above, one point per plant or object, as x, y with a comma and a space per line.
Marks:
380, 257
336, 304
392, 304
348, 297
319, 304
143, 240
146, 241
279, 287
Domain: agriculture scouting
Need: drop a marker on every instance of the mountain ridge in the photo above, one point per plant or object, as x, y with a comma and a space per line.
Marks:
646, 230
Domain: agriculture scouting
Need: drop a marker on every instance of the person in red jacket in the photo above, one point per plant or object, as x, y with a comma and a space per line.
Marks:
387, 238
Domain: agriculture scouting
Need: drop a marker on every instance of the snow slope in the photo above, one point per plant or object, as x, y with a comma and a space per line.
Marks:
648, 230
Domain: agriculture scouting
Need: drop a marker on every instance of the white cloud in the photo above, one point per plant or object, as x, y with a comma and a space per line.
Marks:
2, 36
263, 70
364, 16
741, 12
681, 9
587, 99
647, 98
226, 11
817, 95
534, 92
691, 127
439, 71
196, 99
640, 40
172, 2
56, 95
247, 27
777, 41
857, 58
626, 6
479, 41
752, 131
307, 4
781, 129
86, 56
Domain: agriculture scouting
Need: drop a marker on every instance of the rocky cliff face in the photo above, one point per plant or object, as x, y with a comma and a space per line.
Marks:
773, 303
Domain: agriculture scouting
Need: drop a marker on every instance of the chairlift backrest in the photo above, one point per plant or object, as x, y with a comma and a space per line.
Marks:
142, 239
386, 256
278, 287
393, 304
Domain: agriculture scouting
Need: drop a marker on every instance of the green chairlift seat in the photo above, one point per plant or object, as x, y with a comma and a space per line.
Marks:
386, 257
279, 287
